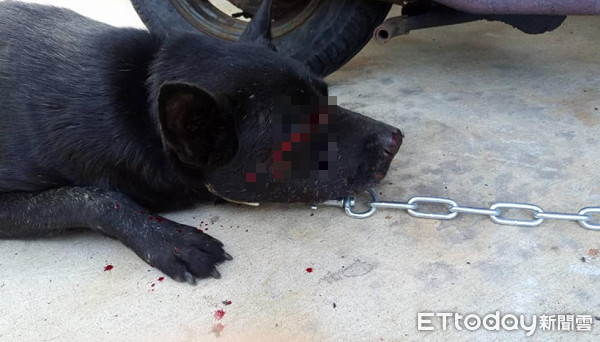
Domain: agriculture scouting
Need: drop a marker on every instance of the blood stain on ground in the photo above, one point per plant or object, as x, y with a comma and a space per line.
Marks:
108, 268
219, 314
161, 278
309, 270
226, 302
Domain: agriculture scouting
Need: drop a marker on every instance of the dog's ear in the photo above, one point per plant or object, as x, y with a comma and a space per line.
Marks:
195, 126
259, 28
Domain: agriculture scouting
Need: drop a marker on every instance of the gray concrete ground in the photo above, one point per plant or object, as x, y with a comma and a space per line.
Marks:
490, 114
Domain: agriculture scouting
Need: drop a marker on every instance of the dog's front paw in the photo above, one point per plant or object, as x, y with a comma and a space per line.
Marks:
183, 253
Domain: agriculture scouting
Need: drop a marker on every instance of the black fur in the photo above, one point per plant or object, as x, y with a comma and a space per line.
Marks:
96, 119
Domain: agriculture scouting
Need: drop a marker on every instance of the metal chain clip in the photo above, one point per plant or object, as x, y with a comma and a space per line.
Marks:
452, 209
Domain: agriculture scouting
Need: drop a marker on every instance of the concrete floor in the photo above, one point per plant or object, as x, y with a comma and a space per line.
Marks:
490, 114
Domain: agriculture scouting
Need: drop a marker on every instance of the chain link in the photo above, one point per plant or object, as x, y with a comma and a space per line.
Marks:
496, 212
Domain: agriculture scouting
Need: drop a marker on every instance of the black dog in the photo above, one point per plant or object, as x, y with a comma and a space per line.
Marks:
96, 119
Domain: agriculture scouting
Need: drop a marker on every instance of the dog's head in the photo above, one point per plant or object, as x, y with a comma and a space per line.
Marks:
256, 126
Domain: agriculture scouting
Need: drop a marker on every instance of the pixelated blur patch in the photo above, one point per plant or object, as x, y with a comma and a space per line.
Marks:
256, 177
305, 132
305, 138
251, 177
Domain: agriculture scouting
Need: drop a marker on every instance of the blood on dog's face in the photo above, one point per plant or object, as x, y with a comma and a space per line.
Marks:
305, 134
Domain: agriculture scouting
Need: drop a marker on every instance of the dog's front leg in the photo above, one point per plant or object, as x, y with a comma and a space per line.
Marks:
182, 252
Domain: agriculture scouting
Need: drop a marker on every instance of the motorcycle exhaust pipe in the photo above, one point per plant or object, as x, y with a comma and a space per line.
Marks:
470, 10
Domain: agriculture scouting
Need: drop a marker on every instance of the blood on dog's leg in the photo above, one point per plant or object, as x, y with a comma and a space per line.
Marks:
180, 251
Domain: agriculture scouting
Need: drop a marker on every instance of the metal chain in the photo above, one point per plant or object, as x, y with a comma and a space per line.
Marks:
495, 212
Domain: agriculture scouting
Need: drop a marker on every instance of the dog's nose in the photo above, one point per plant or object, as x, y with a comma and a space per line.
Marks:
391, 141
